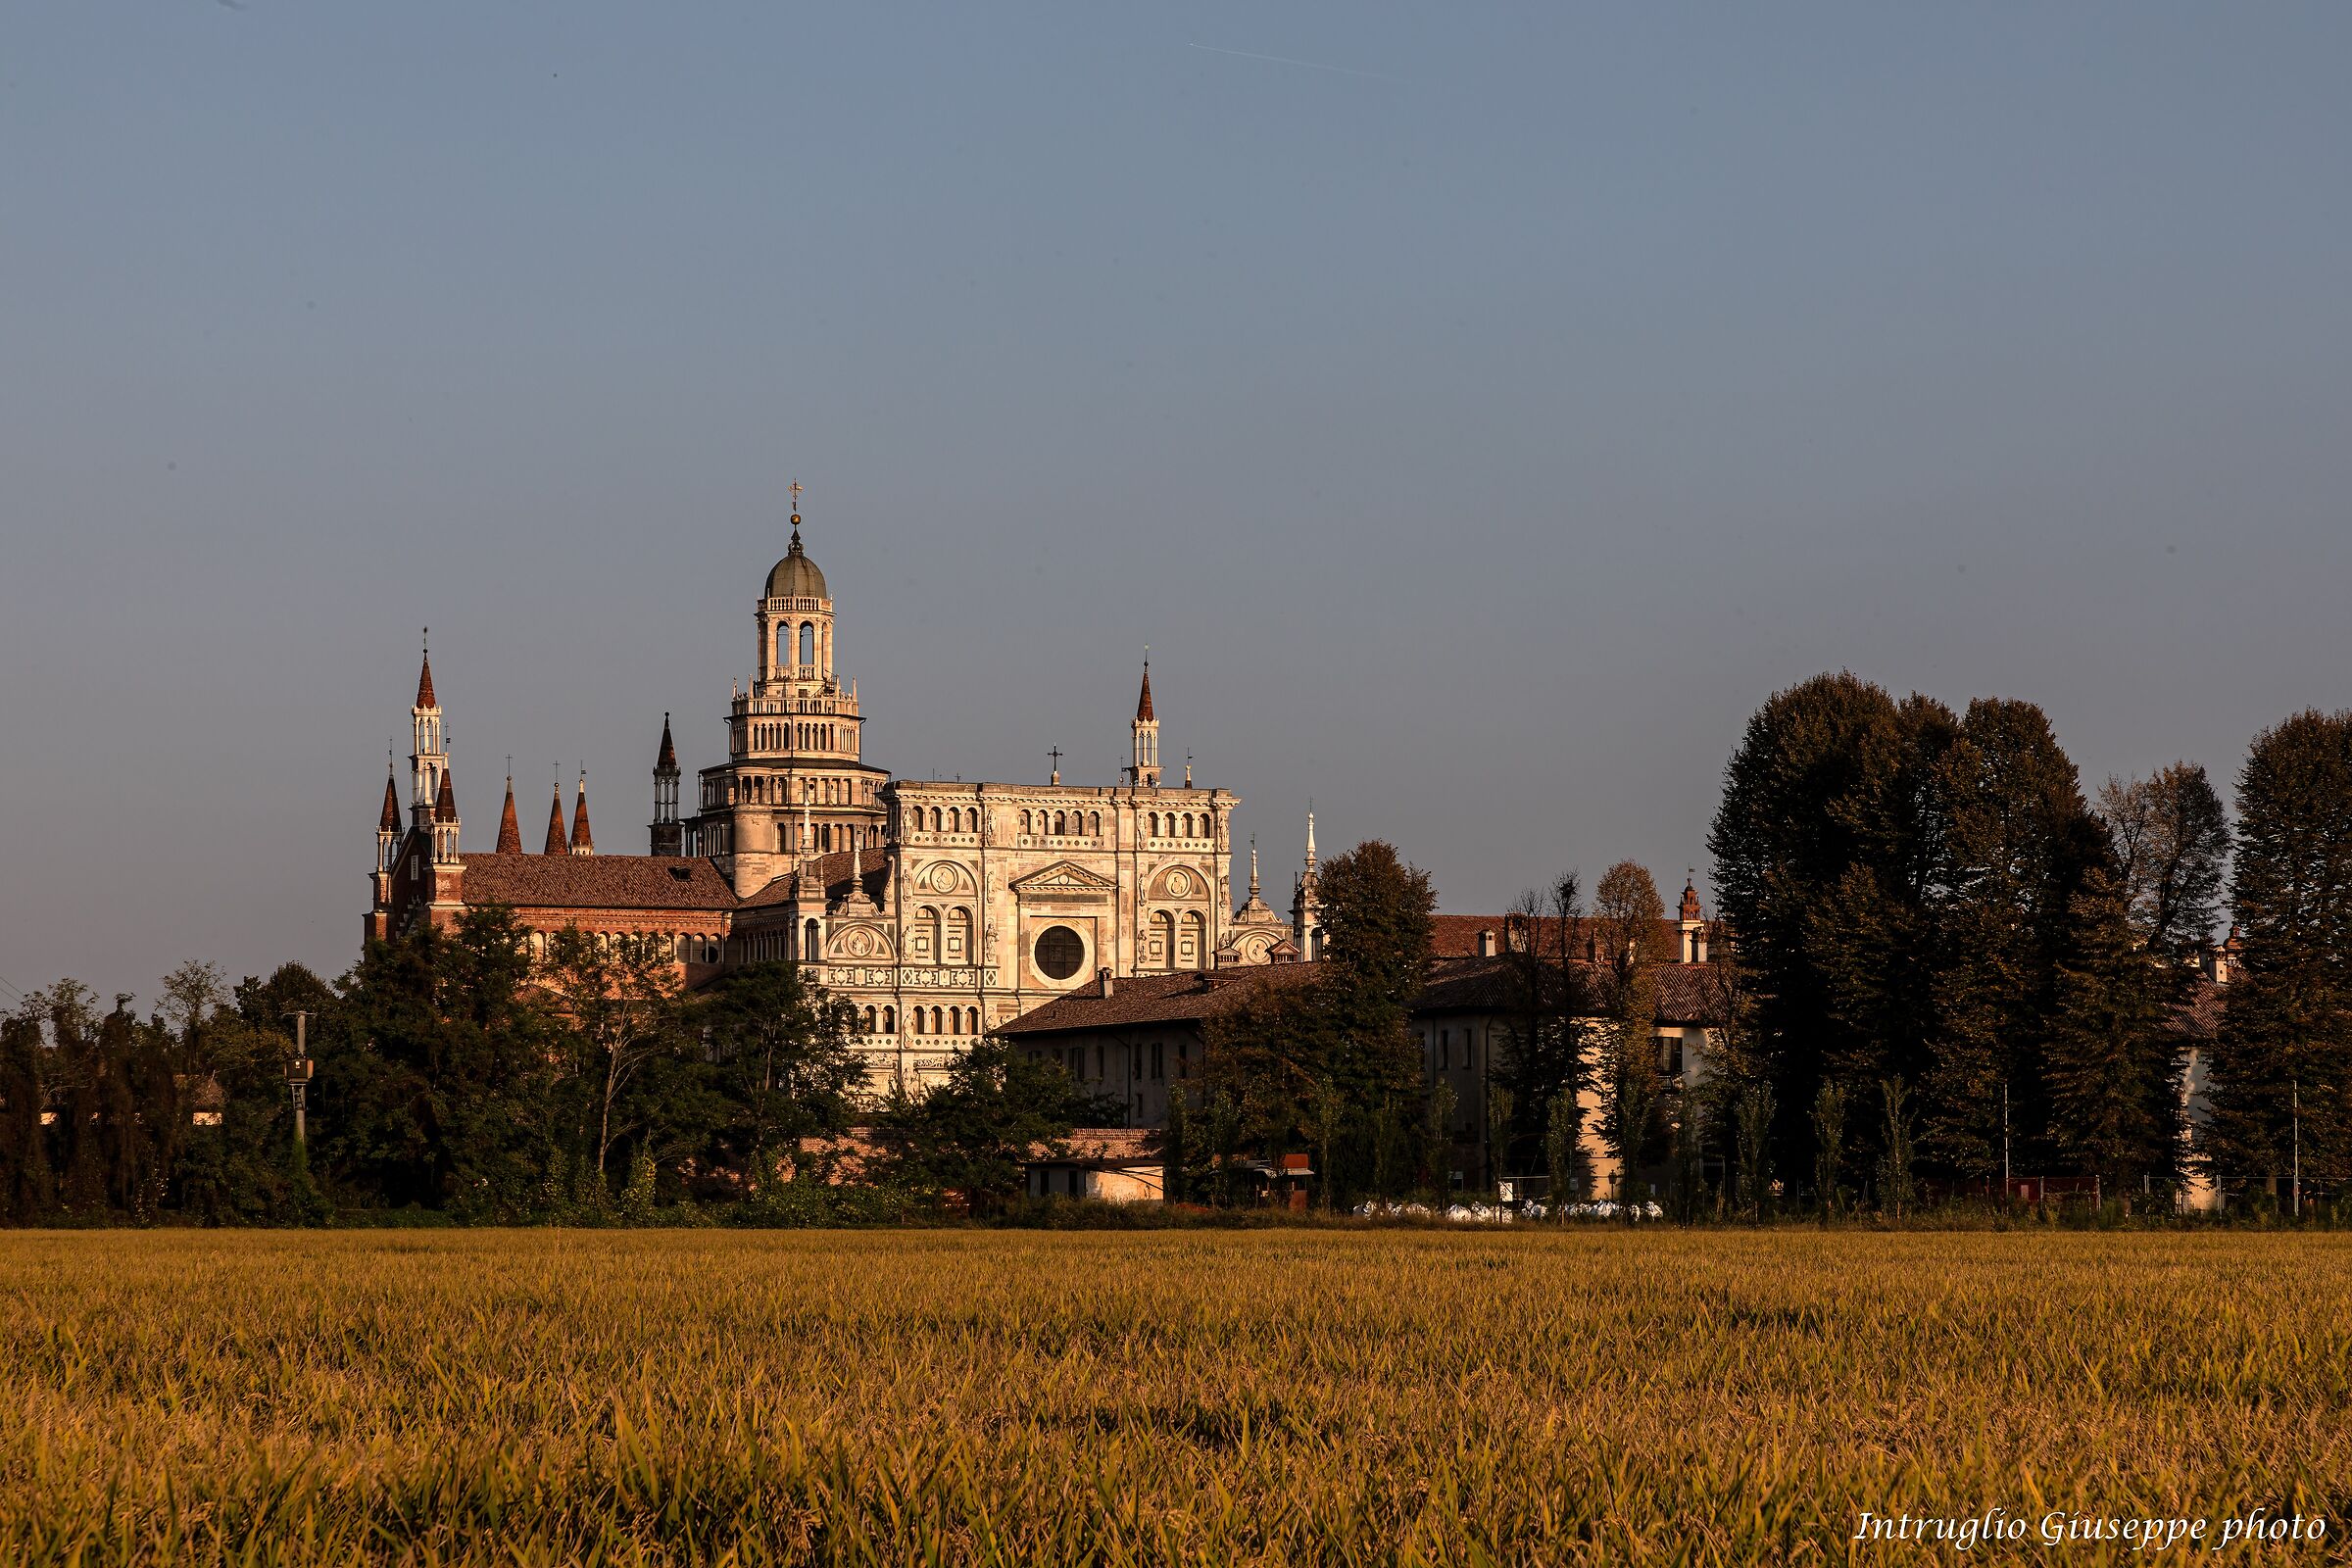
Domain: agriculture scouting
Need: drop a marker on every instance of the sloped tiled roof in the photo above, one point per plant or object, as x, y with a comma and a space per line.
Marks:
1145, 999
873, 869
2198, 1014
1455, 936
595, 882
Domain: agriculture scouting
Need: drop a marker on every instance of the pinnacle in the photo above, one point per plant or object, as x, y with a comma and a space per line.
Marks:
510, 832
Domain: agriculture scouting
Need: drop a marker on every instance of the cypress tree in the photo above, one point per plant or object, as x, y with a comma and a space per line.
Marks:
2288, 1027
2113, 1093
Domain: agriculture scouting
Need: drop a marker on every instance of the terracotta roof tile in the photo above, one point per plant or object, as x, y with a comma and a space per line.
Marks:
595, 882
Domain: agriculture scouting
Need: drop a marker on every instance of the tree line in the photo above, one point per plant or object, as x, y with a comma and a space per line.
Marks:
456, 1074
1948, 963
1937, 961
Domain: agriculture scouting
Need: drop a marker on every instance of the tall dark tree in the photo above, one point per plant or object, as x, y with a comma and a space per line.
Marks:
2018, 840
2287, 1030
2109, 1056
1827, 847
1629, 918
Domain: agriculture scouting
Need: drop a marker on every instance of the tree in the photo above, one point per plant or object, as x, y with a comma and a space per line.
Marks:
1753, 1110
2017, 843
1344, 1035
1829, 1144
1629, 919
2286, 1032
616, 996
974, 1134
1563, 1150
1499, 1133
1546, 1053
1826, 846
2113, 1084
786, 1064
1894, 1148
2171, 846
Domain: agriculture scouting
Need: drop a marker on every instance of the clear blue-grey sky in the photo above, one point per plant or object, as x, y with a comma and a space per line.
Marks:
1478, 410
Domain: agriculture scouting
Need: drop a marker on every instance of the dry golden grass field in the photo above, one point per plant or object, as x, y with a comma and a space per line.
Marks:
1185, 1397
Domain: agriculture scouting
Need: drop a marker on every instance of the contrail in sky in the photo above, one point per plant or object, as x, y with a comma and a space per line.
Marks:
1279, 60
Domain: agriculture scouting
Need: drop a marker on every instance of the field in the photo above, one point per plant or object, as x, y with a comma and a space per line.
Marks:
1267, 1396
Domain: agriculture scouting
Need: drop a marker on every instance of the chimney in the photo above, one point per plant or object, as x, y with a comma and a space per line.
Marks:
1485, 944
1104, 975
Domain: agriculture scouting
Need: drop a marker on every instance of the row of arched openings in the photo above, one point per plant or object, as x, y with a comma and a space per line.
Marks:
784, 642
1062, 823
948, 820
1179, 825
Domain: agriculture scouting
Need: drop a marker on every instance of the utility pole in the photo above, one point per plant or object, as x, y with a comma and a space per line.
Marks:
2005, 1144
2295, 1088
298, 1071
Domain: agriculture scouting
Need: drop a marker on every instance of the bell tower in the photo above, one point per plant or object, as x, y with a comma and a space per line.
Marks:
1144, 772
795, 781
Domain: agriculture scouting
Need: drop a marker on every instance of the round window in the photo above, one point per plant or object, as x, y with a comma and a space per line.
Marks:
1059, 953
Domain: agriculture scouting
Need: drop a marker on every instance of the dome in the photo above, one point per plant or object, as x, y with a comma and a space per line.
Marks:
796, 576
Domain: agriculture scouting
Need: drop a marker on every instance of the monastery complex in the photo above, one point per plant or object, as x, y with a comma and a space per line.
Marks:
942, 910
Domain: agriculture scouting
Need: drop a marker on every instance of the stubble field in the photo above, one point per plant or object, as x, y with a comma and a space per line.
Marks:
1270, 1396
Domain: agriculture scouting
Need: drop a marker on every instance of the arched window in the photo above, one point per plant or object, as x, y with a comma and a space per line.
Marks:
1060, 825
915, 1018
1163, 954
1094, 823
960, 936
1192, 943
926, 933
954, 1021
808, 642
1188, 824
890, 1021
1025, 822
867, 1020
936, 824
809, 940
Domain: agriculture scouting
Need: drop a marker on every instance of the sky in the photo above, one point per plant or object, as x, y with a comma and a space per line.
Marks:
1479, 411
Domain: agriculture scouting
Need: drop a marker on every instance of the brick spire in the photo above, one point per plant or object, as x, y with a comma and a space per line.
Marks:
667, 762
556, 844
389, 822
582, 841
424, 684
445, 809
1143, 704
510, 831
